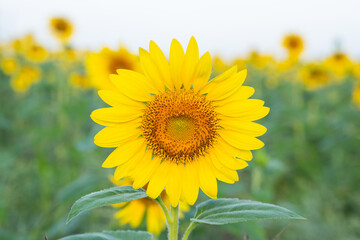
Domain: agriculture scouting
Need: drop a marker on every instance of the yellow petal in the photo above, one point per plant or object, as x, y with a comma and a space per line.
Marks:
155, 219
162, 64
243, 93
128, 82
202, 72
158, 180
124, 152
151, 70
234, 109
249, 115
207, 178
190, 61
225, 75
241, 141
228, 160
115, 115
136, 123
247, 128
190, 182
110, 137
116, 99
222, 172
238, 153
222, 90
145, 170
176, 60
127, 168
174, 186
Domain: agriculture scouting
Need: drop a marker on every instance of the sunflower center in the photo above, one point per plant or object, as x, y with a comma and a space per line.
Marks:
179, 125
293, 43
118, 63
61, 26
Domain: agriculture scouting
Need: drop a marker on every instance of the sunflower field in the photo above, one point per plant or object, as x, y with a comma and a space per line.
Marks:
54, 101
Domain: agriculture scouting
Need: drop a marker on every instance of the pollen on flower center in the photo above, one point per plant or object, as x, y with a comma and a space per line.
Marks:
179, 125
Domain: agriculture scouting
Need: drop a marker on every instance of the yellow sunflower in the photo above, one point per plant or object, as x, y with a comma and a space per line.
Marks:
8, 65
219, 65
339, 63
294, 44
314, 76
36, 53
174, 129
25, 78
79, 81
101, 65
260, 61
133, 212
61, 28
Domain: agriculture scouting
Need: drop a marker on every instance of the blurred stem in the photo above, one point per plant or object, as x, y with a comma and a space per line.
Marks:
165, 210
188, 230
174, 224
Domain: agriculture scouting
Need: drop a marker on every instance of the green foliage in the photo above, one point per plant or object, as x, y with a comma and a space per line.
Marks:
227, 210
103, 198
111, 235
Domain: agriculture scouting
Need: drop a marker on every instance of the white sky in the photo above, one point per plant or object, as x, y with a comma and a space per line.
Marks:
225, 27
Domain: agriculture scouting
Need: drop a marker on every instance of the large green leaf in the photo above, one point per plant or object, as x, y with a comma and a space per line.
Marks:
111, 235
104, 198
224, 211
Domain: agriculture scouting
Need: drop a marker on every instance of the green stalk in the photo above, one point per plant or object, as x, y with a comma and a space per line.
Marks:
174, 224
188, 230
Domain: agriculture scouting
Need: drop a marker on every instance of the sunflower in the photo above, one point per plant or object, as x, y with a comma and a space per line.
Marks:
133, 212
36, 53
61, 28
8, 65
294, 44
260, 61
79, 81
339, 63
25, 78
174, 129
100, 65
219, 65
314, 76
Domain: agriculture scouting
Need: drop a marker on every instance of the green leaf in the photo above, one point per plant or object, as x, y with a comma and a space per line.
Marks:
111, 235
224, 211
104, 198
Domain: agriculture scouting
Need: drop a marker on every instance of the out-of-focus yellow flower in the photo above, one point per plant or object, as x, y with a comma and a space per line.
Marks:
356, 95
8, 65
61, 28
260, 61
133, 212
356, 70
294, 44
23, 44
36, 53
339, 64
219, 65
79, 81
314, 76
241, 63
23, 80
101, 65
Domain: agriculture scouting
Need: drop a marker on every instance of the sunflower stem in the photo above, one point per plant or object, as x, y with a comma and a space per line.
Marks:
191, 226
165, 210
174, 224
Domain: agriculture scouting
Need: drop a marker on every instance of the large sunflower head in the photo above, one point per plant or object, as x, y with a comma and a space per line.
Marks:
314, 76
174, 129
133, 212
101, 65
294, 44
61, 28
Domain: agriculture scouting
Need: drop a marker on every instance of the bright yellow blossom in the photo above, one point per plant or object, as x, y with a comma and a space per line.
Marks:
294, 44
174, 129
101, 65
36, 53
80, 81
8, 65
339, 63
61, 28
23, 80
